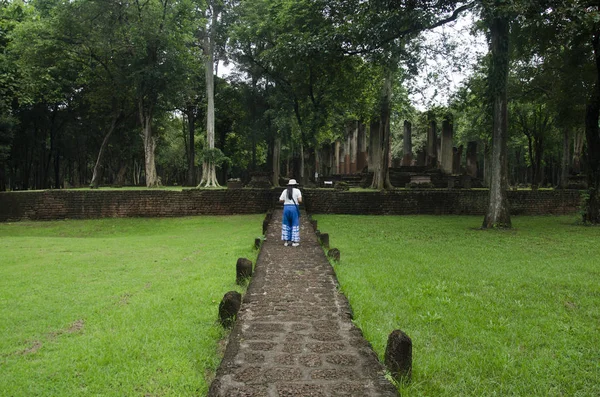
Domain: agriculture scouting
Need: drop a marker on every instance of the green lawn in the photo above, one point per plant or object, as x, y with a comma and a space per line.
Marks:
116, 307
490, 313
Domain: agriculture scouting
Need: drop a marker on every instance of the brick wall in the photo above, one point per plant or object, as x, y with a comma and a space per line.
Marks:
62, 204
437, 202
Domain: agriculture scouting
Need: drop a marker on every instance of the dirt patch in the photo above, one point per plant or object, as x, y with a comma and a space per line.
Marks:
75, 327
35, 346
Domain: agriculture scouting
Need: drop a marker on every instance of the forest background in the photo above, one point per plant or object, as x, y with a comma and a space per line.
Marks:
108, 92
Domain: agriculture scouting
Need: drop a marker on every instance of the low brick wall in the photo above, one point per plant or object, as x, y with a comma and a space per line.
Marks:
79, 204
62, 204
438, 202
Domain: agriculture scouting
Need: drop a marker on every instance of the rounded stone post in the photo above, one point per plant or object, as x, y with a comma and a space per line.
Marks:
324, 238
334, 254
229, 307
243, 270
398, 355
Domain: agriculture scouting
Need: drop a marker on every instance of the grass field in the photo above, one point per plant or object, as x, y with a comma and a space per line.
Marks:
116, 307
490, 313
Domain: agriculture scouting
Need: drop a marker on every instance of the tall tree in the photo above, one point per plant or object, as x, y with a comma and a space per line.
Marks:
208, 38
497, 19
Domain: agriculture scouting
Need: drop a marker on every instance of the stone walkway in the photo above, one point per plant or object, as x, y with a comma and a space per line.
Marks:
293, 336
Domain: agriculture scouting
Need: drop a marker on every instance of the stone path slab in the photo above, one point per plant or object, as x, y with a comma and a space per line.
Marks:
294, 336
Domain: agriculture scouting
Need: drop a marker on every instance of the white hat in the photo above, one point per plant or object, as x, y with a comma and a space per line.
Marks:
292, 182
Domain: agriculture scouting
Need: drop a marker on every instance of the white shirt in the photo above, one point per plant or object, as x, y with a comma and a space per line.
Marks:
295, 195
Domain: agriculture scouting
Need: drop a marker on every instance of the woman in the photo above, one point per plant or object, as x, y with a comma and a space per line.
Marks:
290, 223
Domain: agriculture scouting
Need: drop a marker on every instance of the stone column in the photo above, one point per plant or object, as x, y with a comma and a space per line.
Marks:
347, 155
456, 159
472, 159
336, 157
432, 145
446, 146
354, 147
361, 162
374, 146
421, 157
407, 155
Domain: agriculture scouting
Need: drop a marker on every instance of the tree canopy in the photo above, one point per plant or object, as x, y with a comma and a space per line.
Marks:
123, 92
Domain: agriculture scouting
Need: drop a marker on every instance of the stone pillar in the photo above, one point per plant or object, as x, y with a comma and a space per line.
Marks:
407, 155
361, 161
354, 147
456, 159
446, 146
421, 157
472, 159
336, 157
347, 156
432, 145
374, 146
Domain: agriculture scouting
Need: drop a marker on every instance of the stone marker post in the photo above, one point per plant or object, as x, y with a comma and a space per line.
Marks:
407, 156
334, 254
243, 270
229, 307
362, 159
324, 239
432, 145
456, 159
447, 152
398, 355
472, 159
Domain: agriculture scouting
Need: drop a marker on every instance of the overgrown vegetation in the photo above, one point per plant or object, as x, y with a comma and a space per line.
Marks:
116, 307
489, 312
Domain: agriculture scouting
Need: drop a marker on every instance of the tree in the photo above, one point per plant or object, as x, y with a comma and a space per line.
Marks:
209, 38
385, 31
576, 30
498, 213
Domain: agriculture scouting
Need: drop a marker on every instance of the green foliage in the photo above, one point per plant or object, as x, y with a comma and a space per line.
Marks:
306, 68
501, 324
214, 156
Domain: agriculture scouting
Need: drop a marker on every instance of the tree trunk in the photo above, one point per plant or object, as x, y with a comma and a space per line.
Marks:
2, 177
578, 140
301, 172
539, 155
276, 161
146, 111
97, 174
381, 177
564, 165
191, 171
498, 213
120, 178
591, 212
209, 175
